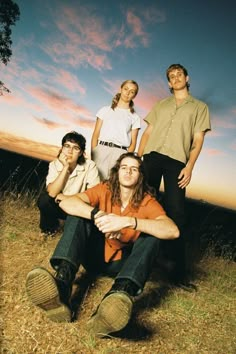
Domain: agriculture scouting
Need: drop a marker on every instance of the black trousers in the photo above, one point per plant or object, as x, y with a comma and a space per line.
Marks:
50, 212
158, 166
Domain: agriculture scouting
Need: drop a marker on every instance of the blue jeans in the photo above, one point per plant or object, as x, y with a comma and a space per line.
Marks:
82, 243
157, 166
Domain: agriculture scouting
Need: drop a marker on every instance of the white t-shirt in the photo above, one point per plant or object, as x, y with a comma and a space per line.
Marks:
117, 125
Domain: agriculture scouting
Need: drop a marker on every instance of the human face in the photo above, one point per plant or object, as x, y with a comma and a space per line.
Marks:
129, 172
71, 151
128, 92
177, 79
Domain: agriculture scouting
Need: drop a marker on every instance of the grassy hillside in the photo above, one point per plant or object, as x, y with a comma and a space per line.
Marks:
164, 320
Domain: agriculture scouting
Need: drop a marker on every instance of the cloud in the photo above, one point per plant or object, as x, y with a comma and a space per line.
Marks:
65, 111
213, 152
83, 38
49, 124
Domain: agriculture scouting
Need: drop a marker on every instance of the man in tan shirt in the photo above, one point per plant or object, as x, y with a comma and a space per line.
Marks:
69, 174
170, 146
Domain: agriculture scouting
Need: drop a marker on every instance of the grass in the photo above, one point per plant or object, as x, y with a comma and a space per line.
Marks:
164, 321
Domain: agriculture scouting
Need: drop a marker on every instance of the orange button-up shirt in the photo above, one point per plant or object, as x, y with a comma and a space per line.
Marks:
149, 208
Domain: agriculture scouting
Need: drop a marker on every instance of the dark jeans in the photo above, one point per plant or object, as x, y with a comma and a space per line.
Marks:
157, 166
50, 212
82, 243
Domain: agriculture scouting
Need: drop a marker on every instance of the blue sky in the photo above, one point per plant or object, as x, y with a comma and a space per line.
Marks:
70, 57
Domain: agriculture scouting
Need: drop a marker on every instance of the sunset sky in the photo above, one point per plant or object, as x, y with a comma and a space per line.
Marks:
70, 57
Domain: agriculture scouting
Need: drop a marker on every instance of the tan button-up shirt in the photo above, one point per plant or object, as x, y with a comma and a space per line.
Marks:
83, 177
174, 126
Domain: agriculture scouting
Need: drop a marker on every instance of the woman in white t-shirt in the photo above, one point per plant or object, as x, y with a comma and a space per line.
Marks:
116, 129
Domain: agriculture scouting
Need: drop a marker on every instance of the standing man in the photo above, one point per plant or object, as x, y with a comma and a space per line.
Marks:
170, 146
113, 228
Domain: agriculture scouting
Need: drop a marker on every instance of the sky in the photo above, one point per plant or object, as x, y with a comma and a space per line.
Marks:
70, 57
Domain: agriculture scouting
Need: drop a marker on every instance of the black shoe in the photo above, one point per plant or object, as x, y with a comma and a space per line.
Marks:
126, 286
65, 276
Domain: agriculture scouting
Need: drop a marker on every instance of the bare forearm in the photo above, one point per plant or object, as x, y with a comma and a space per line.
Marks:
163, 228
195, 149
57, 186
144, 140
77, 207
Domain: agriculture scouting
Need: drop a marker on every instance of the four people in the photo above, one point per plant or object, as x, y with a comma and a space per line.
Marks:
69, 174
170, 146
116, 129
113, 228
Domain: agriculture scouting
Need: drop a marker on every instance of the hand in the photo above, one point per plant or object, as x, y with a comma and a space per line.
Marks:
113, 235
63, 159
60, 197
185, 177
110, 223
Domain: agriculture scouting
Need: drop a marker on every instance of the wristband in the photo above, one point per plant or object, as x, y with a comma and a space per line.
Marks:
135, 225
94, 212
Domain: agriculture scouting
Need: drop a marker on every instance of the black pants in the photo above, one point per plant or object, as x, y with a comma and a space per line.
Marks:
50, 212
158, 166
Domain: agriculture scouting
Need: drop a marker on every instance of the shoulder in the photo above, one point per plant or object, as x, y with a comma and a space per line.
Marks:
103, 110
87, 165
165, 101
56, 164
99, 189
196, 101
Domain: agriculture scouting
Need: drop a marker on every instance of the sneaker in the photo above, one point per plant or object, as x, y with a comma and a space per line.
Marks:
112, 315
42, 290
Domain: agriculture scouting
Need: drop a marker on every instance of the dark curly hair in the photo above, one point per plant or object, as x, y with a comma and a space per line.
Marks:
140, 189
76, 138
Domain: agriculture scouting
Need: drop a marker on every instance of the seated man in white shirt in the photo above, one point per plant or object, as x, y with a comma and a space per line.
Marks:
69, 174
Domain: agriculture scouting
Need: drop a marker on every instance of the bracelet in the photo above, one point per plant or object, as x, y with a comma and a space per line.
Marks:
136, 223
94, 212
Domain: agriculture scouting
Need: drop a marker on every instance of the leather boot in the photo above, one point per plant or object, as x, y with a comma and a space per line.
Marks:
65, 276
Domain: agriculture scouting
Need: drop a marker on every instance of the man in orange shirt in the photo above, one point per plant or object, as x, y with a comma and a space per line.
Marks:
113, 228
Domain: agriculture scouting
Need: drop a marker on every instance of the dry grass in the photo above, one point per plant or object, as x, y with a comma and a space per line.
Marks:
163, 321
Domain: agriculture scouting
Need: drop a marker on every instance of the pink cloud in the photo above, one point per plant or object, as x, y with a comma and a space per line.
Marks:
49, 124
213, 152
226, 123
69, 81
136, 26
63, 108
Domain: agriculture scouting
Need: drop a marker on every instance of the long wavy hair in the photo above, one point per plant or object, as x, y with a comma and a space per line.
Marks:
116, 98
177, 67
141, 188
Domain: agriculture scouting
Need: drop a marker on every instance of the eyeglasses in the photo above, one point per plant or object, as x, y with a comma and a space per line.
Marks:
75, 148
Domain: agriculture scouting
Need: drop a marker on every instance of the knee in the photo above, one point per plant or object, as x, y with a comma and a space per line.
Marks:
44, 200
